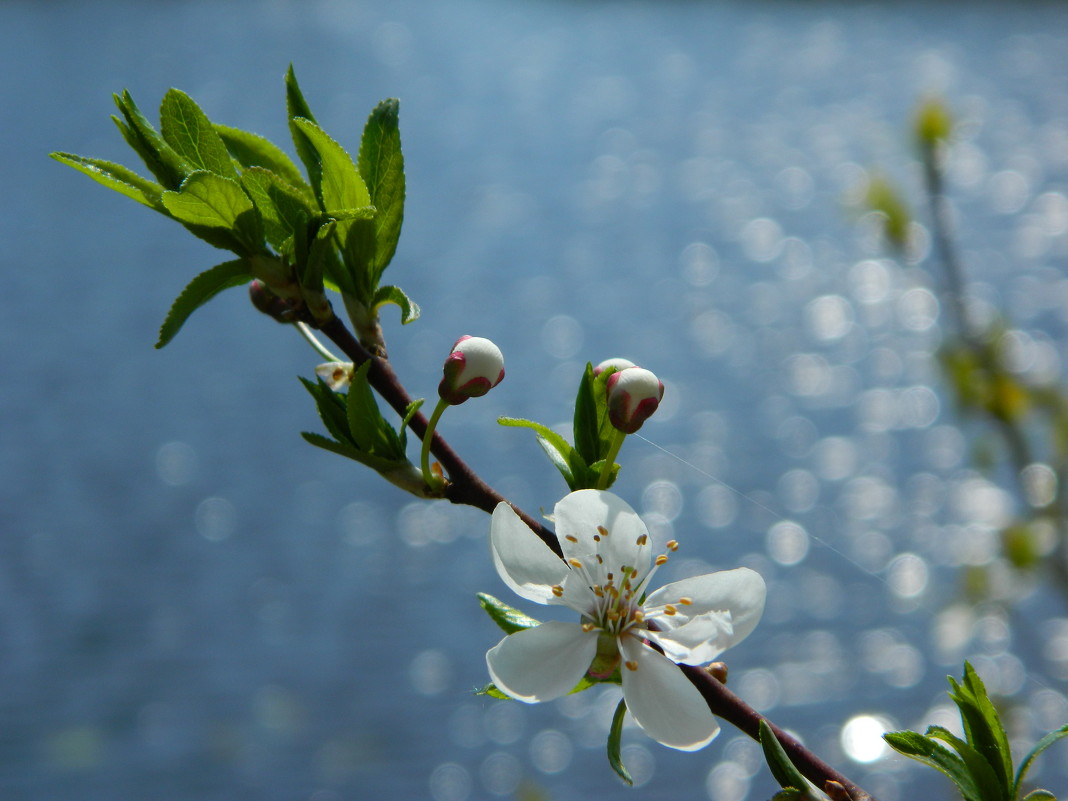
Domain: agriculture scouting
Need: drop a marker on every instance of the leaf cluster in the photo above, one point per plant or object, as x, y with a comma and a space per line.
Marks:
359, 431
337, 228
980, 765
580, 464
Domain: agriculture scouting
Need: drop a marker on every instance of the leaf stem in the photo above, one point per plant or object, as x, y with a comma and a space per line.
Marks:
433, 481
320, 348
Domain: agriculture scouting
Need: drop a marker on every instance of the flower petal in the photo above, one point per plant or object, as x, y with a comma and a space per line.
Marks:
663, 701
542, 663
698, 641
740, 592
522, 560
580, 515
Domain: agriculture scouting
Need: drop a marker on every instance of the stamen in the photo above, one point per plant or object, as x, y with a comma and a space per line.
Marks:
670, 610
575, 563
642, 539
571, 538
639, 616
600, 559
685, 601
596, 537
603, 531
598, 591
588, 627
661, 559
558, 590
631, 665
672, 545
613, 614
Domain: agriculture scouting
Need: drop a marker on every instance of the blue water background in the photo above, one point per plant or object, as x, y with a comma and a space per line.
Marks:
194, 604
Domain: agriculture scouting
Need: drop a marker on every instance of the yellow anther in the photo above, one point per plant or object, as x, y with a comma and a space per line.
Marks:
575, 563
602, 531
685, 601
631, 665
670, 610
587, 627
598, 591
661, 559
613, 614
672, 545
558, 591
642, 539
600, 559
571, 538
639, 616
596, 537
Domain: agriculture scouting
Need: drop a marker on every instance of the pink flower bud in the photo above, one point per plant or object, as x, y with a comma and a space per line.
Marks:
633, 395
473, 368
619, 364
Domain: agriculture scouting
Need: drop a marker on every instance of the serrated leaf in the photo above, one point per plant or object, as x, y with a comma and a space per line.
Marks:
507, 617
350, 452
117, 177
982, 725
282, 208
1040, 746
986, 780
206, 200
198, 292
784, 771
790, 794
564, 458
615, 738
187, 129
381, 164
331, 410
395, 295
923, 749
334, 177
369, 431
253, 150
161, 159
557, 461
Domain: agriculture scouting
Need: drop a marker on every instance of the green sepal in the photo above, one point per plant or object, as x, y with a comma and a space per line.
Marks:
381, 164
117, 177
1040, 746
161, 159
492, 691
251, 150
615, 738
334, 178
187, 129
926, 750
217, 210
507, 617
199, 291
784, 770
391, 294
982, 726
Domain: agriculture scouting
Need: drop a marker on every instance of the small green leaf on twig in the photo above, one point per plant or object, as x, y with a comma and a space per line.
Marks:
507, 617
784, 771
198, 292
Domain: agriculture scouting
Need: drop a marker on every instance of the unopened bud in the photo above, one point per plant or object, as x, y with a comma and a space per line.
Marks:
473, 368
271, 304
617, 363
633, 395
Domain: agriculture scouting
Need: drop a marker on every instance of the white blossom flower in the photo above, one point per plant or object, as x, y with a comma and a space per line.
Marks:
604, 576
473, 368
336, 375
634, 394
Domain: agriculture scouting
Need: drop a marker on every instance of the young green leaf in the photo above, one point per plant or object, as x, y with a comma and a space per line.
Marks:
982, 725
188, 130
1040, 795
114, 176
335, 179
282, 208
784, 771
492, 691
252, 150
986, 779
409, 413
381, 165
161, 159
507, 617
395, 295
1040, 746
587, 425
332, 411
565, 458
383, 466
924, 749
206, 200
615, 738
369, 431
199, 291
